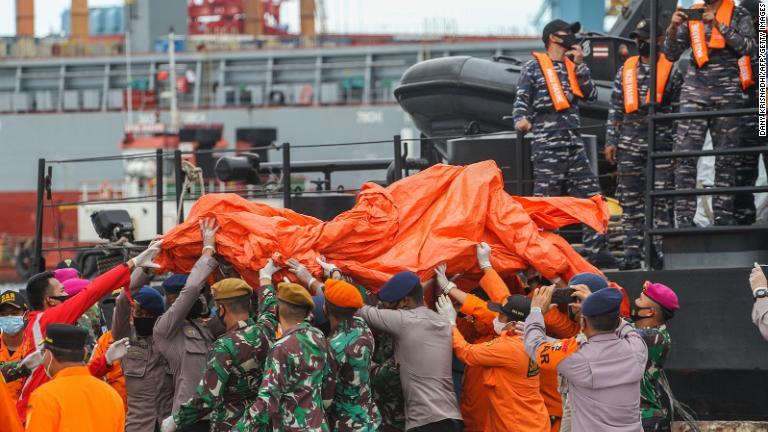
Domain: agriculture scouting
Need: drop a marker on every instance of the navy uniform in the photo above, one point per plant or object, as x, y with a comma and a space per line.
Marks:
746, 165
560, 163
628, 132
711, 83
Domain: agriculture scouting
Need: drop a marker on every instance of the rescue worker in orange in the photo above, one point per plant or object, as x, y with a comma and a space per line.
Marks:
13, 307
105, 362
10, 417
72, 400
511, 379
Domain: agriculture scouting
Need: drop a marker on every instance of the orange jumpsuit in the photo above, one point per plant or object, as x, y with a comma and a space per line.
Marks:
13, 387
114, 373
75, 401
9, 417
510, 380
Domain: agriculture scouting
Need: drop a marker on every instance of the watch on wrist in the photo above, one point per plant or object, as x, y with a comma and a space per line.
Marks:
760, 293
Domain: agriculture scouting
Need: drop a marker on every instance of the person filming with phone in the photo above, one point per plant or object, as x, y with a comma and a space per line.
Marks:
550, 89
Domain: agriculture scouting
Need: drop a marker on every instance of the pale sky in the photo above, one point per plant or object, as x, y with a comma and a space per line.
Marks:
356, 16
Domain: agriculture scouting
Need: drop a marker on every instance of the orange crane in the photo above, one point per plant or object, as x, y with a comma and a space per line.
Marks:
25, 19
308, 11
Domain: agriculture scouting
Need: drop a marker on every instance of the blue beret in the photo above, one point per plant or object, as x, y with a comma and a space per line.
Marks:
175, 283
399, 286
150, 300
595, 282
318, 315
604, 301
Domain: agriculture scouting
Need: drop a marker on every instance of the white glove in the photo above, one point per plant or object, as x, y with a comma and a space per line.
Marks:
208, 230
483, 255
33, 360
117, 350
445, 308
168, 425
442, 280
269, 270
328, 268
301, 271
145, 258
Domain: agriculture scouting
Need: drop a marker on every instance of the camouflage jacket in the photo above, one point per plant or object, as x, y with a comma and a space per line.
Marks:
658, 341
297, 385
534, 103
385, 383
351, 348
635, 124
234, 370
740, 40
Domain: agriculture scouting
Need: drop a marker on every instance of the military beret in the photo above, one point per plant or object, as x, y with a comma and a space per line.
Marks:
398, 286
74, 286
65, 336
14, 299
230, 288
662, 295
343, 294
64, 274
604, 301
150, 300
294, 294
593, 281
174, 283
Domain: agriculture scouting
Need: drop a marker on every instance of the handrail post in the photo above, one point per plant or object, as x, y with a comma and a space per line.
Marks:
39, 263
159, 176
650, 171
398, 158
287, 175
179, 184
519, 164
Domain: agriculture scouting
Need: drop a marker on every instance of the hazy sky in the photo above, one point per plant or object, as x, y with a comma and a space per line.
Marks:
360, 16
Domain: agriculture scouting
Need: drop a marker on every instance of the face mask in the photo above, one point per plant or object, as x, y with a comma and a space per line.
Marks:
144, 325
199, 309
61, 298
498, 326
568, 42
11, 325
634, 312
644, 48
709, 2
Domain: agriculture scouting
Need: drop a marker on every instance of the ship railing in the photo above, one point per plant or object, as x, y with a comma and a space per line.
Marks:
164, 159
652, 194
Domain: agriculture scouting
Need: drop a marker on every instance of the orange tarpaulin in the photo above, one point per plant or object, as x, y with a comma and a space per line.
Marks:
438, 215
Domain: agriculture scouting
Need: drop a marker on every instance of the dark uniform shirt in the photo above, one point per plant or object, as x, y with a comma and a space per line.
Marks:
234, 370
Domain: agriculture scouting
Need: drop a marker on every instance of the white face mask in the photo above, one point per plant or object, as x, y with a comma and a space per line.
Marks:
498, 326
48, 367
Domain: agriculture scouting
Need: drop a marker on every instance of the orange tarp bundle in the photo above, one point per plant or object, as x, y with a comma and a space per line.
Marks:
438, 215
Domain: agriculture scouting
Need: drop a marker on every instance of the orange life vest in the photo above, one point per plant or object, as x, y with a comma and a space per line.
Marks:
699, 44
554, 86
632, 90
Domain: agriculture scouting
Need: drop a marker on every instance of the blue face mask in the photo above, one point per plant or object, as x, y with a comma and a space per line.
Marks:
11, 324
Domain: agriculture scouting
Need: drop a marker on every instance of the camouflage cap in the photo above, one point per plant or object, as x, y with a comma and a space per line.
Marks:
230, 288
294, 294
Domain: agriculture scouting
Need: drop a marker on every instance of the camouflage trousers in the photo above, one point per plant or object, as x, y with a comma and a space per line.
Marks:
632, 157
561, 168
747, 171
691, 133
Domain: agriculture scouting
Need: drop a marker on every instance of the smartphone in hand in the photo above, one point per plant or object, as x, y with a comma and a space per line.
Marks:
696, 14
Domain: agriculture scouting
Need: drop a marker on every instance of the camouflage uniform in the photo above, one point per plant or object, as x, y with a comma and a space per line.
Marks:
234, 371
351, 348
629, 133
385, 383
658, 342
746, 165
297, 385
715, 86
560, 164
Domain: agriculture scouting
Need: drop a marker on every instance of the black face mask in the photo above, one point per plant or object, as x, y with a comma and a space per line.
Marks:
709, 2
199, 309
568, 42
634, 312
644, 48
144, 325
61, 298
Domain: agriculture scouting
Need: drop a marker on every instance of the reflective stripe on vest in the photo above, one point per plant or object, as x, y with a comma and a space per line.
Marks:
700, 47
631, 87
554, 86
